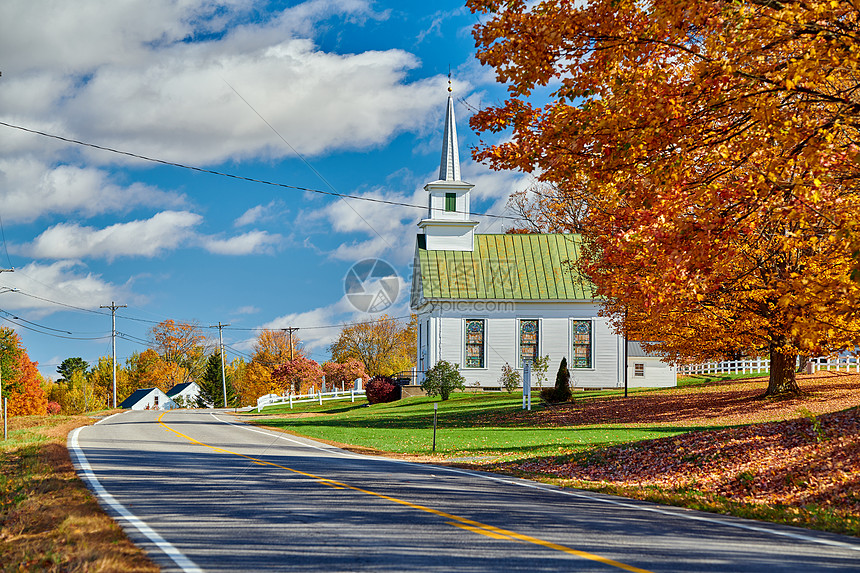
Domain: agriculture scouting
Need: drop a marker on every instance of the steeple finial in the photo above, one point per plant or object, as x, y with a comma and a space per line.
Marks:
449, 169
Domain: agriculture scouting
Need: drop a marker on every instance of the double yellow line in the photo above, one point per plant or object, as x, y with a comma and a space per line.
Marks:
455, 520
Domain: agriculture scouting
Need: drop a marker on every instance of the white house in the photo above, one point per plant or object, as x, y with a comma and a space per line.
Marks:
187, 392
148, 399
485, 300
647, 370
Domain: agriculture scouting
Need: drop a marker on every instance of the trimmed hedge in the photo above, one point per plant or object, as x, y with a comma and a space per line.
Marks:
382, 389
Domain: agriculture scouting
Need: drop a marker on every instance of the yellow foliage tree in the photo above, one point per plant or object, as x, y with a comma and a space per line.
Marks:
182, 346
100, 380
384, 345
271, 349
146, 370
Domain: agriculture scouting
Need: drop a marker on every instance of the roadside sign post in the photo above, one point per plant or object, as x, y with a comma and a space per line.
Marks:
527, 384
435, 408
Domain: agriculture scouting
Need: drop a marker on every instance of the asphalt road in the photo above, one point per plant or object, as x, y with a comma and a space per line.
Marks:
202, 492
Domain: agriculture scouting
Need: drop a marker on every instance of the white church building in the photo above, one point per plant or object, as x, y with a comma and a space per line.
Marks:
486, 300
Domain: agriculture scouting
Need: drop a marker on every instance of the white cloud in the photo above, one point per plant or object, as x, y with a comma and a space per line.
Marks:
260, 213
147, 238
320, 327
250, 309
248, 243
490, 195
391, 229
77, 37
30, 188
65, 282
138, 86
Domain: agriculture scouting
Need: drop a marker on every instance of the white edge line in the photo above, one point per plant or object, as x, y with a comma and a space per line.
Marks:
579, 494
86, 472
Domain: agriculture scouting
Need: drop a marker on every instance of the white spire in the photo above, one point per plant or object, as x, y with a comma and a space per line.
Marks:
449, 169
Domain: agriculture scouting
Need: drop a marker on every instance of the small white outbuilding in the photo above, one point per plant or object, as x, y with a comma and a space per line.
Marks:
185, 394
148, 399
648, 370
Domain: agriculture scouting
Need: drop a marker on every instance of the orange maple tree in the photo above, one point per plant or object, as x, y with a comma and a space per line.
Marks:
712, 148
22, 383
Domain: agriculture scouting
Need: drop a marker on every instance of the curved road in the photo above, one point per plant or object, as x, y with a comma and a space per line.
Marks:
203, 492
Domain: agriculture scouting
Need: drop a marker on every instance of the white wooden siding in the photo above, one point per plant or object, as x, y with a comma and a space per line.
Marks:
658, 374
444, 339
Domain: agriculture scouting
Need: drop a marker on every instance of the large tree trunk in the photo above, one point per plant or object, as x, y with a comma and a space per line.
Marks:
783, 381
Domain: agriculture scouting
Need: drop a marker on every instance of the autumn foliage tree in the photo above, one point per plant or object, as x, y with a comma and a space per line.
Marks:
181, 346
298, 375
384, 345
712, 147
149, 370
22, 383
272, 348
344, 374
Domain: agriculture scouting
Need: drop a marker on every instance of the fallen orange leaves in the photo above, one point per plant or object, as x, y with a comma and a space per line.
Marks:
806, 457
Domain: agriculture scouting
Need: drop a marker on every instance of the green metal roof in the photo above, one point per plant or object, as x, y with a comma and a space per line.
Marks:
510, 267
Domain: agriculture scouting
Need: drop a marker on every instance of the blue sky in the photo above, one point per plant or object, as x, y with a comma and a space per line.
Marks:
343, 95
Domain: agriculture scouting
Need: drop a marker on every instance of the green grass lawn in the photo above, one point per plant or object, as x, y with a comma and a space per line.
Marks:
406, 426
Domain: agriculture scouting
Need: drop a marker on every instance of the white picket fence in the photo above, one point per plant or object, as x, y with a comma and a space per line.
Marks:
850, 363
762, 365
750, 366
320, 397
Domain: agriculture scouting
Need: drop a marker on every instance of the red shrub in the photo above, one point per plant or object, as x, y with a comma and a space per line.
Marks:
53, 408
382, 389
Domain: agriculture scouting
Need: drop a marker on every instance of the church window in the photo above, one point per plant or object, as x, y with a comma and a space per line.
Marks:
582, 344
475, 343
450, 201
528, 340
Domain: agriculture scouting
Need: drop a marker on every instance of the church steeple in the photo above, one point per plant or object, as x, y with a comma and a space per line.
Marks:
449, 170
447, 226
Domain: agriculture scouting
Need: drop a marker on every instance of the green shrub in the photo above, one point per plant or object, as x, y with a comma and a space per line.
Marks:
510, 379
443, 379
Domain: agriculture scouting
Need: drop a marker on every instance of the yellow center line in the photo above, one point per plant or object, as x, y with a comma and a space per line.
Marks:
480, 531
455, 520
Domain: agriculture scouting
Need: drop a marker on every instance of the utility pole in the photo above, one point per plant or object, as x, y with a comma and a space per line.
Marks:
626, 349
221, 344
113, 306
290, 329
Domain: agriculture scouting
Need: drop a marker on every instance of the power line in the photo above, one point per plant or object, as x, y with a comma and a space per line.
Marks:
305, 161
24, 326
241, 177
148, 321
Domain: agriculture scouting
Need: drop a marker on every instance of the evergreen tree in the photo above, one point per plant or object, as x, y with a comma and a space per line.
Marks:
561, 391
211, 387
70, 366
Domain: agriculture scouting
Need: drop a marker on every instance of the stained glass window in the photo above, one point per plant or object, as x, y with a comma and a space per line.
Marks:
581, 351
528, 340
474, 344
